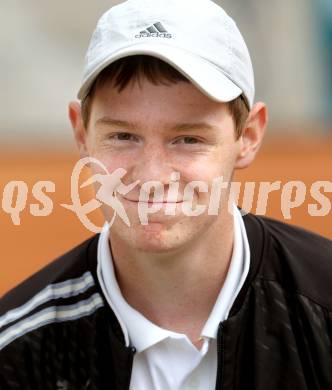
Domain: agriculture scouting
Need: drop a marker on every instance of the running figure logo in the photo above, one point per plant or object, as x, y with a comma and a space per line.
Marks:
110, 185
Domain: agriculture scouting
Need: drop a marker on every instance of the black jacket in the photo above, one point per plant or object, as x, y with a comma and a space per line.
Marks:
57, 331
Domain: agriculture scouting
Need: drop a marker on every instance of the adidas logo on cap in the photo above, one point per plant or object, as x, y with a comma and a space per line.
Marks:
157, 30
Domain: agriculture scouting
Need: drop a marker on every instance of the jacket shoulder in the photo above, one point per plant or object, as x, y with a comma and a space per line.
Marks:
297, 238
69, 266
52, 319
298, 259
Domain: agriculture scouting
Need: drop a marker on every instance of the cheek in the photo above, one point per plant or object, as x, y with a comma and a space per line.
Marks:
110, 161
220, 164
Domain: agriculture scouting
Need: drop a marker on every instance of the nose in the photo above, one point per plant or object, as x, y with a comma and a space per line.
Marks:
153, 164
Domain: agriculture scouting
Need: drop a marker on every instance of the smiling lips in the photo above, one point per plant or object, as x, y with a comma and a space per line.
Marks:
151, 202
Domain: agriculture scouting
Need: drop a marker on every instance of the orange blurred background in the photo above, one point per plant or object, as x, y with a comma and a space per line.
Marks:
38, 240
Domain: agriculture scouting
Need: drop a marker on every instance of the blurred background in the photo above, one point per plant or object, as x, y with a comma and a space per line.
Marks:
42, 50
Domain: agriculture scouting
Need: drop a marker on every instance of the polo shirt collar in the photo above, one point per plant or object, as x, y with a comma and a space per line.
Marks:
141, 332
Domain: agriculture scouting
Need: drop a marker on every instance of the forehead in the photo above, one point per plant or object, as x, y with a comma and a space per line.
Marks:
142, 100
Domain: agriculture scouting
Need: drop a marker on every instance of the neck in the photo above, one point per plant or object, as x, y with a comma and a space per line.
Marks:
176, 290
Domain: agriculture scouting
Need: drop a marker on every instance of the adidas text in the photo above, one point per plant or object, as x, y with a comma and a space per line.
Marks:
156, 30
153, 35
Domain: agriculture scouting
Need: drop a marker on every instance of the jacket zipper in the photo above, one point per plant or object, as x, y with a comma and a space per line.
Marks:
220, 336
133, 351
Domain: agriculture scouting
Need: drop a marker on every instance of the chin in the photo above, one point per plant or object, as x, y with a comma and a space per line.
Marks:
163, 234
154, 247
156, 237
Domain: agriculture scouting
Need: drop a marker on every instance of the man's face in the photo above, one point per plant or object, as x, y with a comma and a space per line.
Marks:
152, 131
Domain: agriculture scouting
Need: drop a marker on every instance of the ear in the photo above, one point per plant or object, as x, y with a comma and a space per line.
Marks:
252, 135
80, 132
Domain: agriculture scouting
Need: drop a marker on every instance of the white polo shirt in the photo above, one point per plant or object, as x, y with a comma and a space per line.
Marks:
167, 360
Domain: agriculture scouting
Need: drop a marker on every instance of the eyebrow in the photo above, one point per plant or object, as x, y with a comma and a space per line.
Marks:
194, 126
178, 127
116, 122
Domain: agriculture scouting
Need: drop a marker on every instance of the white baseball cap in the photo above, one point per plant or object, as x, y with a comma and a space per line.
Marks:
196, 37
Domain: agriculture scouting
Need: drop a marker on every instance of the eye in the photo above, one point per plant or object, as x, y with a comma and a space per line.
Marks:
187, 140
123, 137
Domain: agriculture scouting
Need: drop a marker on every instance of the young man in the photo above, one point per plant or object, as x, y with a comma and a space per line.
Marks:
189, 300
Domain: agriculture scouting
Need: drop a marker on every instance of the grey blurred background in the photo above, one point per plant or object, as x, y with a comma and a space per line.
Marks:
43, 46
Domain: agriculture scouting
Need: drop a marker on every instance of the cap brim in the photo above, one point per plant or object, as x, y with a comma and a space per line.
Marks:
203, 74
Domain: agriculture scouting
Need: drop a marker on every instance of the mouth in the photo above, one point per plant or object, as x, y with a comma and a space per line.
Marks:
152, 202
